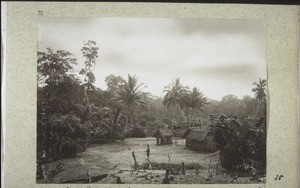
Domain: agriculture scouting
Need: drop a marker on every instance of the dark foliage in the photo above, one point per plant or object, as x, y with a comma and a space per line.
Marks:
137, 132
244, 154
63, 113
69, 148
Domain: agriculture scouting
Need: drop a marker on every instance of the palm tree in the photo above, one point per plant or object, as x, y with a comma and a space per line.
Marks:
114, 117
259, 92
131, 95
174, 95
194, 100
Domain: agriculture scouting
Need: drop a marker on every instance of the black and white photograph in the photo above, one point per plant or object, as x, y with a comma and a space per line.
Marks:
151, 101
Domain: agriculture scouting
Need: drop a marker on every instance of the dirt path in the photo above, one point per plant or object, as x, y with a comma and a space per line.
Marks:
120, 153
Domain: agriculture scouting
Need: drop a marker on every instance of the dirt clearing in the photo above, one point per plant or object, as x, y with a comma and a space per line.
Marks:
115, 159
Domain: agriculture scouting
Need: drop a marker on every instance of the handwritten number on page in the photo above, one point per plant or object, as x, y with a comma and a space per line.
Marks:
40, 13
278, 177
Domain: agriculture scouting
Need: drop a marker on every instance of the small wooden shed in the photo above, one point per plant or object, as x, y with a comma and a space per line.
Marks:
200, 140
163, 137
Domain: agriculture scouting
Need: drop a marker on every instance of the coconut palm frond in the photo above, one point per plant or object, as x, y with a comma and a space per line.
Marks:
260, 89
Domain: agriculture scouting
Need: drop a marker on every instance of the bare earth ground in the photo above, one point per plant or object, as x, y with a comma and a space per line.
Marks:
115, 159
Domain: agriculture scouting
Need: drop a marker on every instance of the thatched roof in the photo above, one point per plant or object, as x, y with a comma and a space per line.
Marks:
163, 133
245, 127
262, 122
196, 134
238, 121
223, 116
253, 121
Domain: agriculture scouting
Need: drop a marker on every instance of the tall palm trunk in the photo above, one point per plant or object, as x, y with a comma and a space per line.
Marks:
257, 108
129, 118
173, 118
115, 120
192, 113
187, 116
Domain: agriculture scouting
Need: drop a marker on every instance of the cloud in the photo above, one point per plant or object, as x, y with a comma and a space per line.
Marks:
115, 58
206, 53
229, 72
222, 26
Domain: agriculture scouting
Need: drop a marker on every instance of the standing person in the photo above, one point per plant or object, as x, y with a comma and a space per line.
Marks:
148, 151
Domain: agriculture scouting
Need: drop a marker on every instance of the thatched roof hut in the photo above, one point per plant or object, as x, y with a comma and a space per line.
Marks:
253, 121
200, 139
244, 128
233, 123
163, 136
262, 122
241, 126
237, 122
163, 133
195, 134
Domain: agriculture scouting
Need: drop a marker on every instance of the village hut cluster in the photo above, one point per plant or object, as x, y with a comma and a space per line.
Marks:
201, 138
163, 137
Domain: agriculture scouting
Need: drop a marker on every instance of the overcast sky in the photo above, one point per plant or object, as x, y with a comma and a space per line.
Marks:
219, 56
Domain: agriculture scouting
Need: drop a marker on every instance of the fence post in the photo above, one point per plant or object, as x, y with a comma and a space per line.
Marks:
183, 168
134, 158
217, 170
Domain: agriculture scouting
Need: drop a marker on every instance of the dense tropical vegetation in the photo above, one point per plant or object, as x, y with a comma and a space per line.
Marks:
72, 112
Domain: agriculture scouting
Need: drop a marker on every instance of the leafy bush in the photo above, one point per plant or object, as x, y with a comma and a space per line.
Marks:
137, 132
178, 132
248, 154
83, 143
69, 148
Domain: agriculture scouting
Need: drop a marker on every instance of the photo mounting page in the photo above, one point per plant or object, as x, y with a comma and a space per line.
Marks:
151, 101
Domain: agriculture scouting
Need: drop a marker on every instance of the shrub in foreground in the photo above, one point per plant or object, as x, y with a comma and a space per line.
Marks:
69, 148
